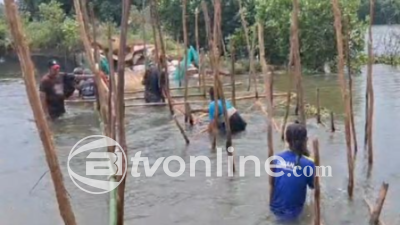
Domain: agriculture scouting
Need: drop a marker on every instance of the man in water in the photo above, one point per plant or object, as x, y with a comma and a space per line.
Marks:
290, 189
86, 86
236, 122
55, 88
153, 80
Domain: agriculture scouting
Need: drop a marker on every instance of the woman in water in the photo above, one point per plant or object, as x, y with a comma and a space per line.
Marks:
290, 189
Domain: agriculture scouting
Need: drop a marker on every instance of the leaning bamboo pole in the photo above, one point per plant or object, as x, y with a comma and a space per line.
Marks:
377, 209
112, 98
86, 23
165, 78
297, 60
121, 107
250, 48
94, 31
268, 92
370, 90
28, 72
350, 76
339, 39
317, 192
289, 93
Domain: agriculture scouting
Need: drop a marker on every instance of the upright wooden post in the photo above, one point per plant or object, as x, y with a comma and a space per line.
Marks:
86, 21
197, 42
289, 93
339, 39
28, 72
318, 108
317, 192
185, 40
112, 98
250, 48
202, 73
370, 90
333, 129
269, 96
376, 211
297, 60
121, 105
233, 72
349, 71
94, 30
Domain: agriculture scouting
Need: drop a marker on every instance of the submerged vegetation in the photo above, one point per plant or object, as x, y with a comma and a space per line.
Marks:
51, 25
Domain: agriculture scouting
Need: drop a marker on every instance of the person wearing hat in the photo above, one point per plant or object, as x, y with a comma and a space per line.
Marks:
55, 87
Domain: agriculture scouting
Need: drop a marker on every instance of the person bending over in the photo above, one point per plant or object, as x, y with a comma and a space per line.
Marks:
290, 189
236, 122
153, 82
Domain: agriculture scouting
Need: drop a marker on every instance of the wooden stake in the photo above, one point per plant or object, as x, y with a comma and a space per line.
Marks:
112, 98
202, 74
317, 192
339, 40
370, 89
297, 60
121, 107
86, 21
318, 108
376, 211
21, 46
349, 71
233, 72
333, 129
185, 40
250, 48
196, 31
289, 93
269, 96
93, 22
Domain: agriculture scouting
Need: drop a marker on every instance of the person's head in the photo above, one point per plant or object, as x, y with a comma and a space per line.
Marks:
211, 93
54, 68
296, 137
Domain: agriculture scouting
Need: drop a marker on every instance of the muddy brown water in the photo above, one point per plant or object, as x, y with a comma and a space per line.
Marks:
197, 200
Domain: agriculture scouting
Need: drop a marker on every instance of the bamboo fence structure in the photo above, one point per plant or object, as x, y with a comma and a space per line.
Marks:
21, 46
339, 39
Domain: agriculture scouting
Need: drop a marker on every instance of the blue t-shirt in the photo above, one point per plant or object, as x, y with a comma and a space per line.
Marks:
211, 109
290, 191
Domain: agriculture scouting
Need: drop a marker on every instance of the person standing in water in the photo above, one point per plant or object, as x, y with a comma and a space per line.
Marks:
55, 88
290, 189
236, 122
153, 82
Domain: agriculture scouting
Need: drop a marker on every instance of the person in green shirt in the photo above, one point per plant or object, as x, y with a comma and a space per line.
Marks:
104, 66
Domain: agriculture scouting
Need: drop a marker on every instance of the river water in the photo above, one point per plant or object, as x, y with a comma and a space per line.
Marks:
197, 200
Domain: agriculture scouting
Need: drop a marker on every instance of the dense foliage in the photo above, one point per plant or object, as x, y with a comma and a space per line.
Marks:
50, 24
386, 11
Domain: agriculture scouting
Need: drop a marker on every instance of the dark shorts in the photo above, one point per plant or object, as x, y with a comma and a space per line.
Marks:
236, 123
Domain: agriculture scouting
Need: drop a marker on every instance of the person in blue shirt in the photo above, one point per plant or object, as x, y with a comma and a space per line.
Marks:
236, 122
290, 189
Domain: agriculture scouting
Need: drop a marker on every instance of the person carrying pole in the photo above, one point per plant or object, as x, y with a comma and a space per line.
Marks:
290, 189
236, 122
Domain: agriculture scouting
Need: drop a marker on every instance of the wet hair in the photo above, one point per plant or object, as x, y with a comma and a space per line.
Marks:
296, 137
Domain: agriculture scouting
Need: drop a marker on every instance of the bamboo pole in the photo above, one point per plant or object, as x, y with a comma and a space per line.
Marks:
318, 108
268, 93
94, 30
233, 73
317, 192
250, 48
112, 98
202, 74
196, 31
120, 104
166, 87
339, 40
349, 71
370, 89
333, 129
21, 46
289, 93
83, 4
297, 60
376, 211
185, 40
